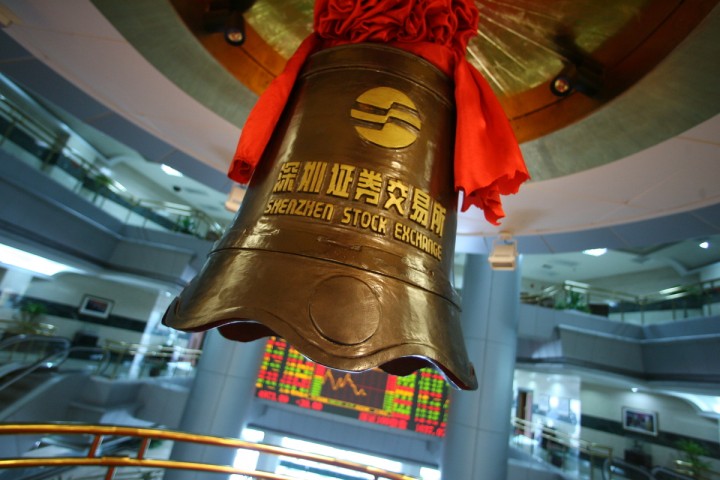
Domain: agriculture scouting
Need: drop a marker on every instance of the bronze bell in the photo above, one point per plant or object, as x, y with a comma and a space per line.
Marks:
344, 243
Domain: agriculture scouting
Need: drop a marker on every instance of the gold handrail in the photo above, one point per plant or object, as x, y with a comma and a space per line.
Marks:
147, 434
702, 472
162, 352
151, 350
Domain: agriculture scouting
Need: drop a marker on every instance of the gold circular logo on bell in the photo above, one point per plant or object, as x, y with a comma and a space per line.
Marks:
386, 117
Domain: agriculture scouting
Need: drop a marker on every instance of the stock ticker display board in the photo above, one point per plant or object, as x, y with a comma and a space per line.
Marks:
415, 402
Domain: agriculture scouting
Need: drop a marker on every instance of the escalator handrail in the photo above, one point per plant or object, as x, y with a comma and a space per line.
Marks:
53, 359
610, 462
669, 473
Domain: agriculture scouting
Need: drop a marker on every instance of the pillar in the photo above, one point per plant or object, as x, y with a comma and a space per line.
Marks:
219, 402
478, 429
13, 284
152, 326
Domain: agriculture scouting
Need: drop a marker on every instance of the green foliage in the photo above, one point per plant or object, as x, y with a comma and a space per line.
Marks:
573, 301
692, 451
102, 181
32, 311
186, 224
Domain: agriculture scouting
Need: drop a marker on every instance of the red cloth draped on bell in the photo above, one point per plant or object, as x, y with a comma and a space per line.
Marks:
488, 162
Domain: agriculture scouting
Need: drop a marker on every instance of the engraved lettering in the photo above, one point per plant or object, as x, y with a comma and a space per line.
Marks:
397, 195
420, 207
286, 177
369, 186
340, 180
312, 177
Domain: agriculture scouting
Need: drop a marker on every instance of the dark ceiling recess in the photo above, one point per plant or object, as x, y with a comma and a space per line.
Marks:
580, 72
226, 16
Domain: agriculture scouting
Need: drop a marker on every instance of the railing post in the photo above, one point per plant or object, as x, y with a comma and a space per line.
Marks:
110, 474
97, 440
143, 448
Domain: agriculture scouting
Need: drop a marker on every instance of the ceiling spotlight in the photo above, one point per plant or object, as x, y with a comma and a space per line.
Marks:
170, 171
580, 72
704, 245
634, 389
235, 28
226, 16
595, 252
504, 253
561, 86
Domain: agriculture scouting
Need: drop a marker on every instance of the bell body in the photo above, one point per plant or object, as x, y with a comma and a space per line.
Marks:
344, 243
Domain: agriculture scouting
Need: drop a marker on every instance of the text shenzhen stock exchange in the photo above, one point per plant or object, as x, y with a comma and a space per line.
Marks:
378, 197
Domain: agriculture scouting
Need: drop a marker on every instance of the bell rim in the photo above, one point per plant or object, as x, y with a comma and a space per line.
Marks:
244, 307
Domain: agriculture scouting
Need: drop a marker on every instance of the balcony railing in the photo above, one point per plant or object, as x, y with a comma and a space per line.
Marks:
572, 455
47, 150
150, 360
701, 299
92, 436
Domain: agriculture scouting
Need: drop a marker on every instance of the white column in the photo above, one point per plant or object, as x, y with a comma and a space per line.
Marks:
219, 402
476, 443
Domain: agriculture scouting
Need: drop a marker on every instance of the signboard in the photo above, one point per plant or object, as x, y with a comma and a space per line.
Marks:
416, 402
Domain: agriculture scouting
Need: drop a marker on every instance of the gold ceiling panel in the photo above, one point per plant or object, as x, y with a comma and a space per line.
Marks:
521, 48
520, 43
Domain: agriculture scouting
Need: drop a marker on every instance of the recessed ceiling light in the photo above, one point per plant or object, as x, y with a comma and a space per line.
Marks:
595, 252
170, 171
634, 389
34, 263
704, 245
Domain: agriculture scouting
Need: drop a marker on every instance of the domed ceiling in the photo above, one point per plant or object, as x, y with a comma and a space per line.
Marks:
635, 139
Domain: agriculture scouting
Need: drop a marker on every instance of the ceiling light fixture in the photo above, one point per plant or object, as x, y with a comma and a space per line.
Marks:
170, 171
29, 261
704, 245
671, 290
504, 253
595, 252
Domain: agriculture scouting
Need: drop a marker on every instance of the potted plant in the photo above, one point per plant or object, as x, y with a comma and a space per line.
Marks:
692, 451
30, 315
32, 311
573, 301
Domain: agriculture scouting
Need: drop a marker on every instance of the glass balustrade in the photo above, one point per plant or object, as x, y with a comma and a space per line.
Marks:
701, 299
49, 152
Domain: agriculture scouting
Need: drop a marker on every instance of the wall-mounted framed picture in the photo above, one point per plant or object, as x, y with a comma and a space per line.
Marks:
641, 421
96, 306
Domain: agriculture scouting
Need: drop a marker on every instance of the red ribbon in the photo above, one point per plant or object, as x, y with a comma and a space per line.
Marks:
488, 162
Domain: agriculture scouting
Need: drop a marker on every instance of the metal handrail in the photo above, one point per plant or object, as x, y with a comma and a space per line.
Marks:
161, 351
668, 473
50, 360
684, 467
548, 296
21, 327
91, 173
148, 434
612, 463
123, 350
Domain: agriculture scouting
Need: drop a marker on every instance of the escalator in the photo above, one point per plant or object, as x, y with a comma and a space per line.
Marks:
27, 362
617, 469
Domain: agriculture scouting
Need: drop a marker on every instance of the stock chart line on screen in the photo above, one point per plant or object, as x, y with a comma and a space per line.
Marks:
417, 402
